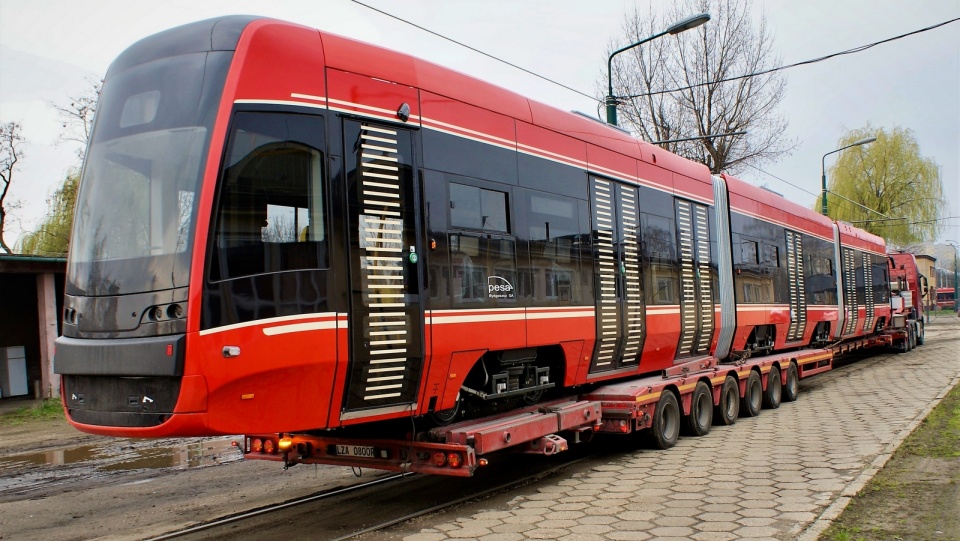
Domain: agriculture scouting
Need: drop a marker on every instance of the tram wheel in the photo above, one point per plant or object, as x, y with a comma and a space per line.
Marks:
447, 416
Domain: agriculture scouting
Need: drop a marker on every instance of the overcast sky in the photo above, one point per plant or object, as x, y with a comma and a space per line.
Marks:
49, 48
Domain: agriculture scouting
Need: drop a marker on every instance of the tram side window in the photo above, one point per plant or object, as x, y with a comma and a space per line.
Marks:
483, 269
271, 214
553, 229
658, 248
881, 279
754, 286
477, 208
819, 277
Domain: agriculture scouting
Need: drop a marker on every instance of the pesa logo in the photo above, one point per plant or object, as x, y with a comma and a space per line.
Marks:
499, 288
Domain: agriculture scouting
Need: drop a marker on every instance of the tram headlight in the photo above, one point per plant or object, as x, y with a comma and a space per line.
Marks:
175, 311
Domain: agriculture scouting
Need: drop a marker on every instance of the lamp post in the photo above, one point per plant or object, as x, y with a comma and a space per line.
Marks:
956, 271
692, 21
823, 170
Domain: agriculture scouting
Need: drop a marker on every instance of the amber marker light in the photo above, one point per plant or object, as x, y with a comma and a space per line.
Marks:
285, 444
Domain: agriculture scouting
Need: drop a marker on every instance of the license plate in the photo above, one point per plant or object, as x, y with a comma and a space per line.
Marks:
355, 450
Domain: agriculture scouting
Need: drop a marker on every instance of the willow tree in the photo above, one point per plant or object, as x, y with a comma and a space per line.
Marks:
52, 236
887, 187
691, 85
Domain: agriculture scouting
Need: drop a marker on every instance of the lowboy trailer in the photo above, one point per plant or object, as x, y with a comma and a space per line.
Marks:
688, 398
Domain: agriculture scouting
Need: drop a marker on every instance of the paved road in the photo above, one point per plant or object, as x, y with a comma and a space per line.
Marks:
783, 475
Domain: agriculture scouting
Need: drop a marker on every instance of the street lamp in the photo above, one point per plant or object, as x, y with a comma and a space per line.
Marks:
692, 21
956, 284
823, 169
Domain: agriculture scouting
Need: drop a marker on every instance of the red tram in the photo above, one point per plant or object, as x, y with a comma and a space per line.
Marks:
281, 230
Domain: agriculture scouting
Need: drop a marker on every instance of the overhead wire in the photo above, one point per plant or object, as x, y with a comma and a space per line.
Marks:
600, 100
474, 49
861, 48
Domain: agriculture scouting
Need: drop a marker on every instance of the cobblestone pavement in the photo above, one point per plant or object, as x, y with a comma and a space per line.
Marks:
783, 475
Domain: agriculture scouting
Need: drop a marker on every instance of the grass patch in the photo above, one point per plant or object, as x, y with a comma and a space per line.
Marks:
939, 434
48, 410
911, 497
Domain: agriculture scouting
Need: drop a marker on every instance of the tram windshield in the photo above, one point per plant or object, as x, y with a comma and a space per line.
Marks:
137, 205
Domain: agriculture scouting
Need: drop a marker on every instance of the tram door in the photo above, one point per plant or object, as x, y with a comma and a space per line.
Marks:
697, 313
848, 277
619, 296
798, 299
386, 315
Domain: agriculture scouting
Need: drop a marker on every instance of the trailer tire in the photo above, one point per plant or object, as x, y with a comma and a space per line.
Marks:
920, 334
774, 392
791, 387
752, 399
666, 422
701, 411
728, 409
909, 338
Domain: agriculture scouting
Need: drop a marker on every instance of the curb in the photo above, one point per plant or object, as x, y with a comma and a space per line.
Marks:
833, 511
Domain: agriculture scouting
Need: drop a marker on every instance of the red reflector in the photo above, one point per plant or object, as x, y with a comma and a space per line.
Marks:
439, 459
455, 460
269, 446
256, 445
169, 350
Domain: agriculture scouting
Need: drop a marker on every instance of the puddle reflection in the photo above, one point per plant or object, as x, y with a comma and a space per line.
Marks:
128, 457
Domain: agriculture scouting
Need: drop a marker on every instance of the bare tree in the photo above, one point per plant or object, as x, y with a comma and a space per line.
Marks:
672, 87
11, 152
77, 118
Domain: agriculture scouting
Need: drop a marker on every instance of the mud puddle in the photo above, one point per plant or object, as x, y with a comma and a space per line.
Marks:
33, 470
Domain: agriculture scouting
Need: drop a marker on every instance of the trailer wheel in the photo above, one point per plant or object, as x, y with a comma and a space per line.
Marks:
774, 393
909, 337
752, 399
701, 411
729, 408
920, 334
666, 422
791, 387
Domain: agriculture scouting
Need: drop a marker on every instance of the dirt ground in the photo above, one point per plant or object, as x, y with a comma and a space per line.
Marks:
58, 484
